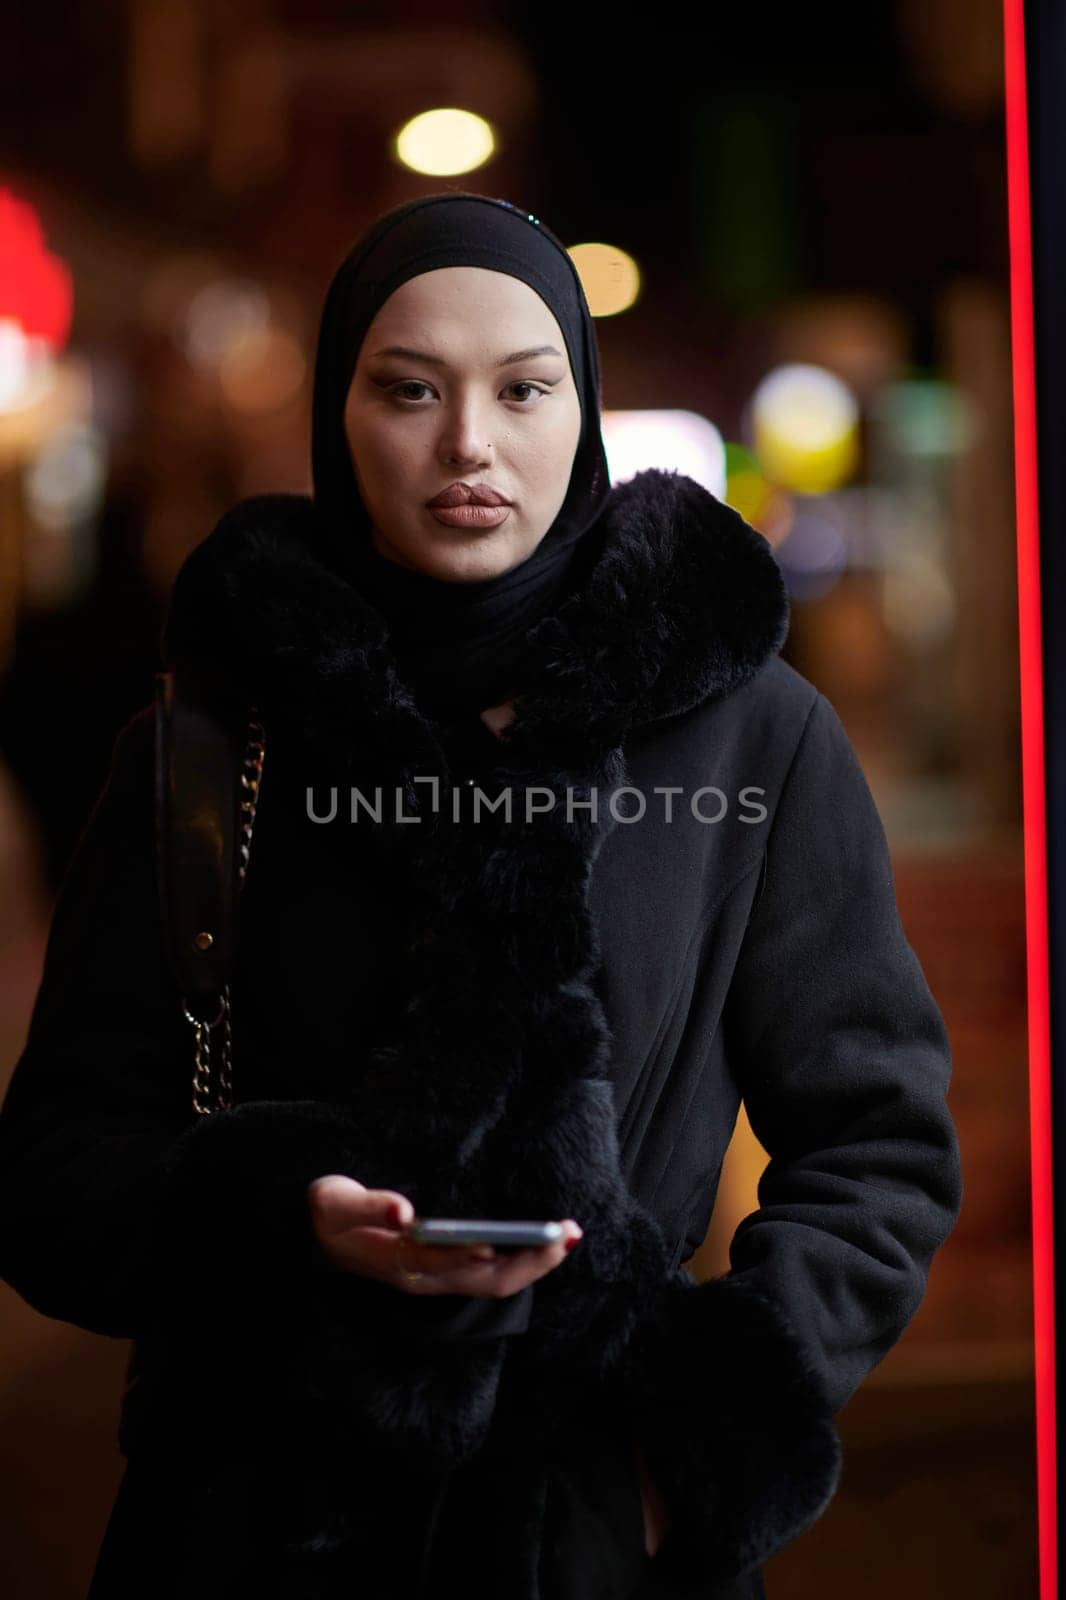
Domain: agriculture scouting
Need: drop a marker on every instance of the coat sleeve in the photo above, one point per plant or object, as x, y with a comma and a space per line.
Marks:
124, 1213
843, 1062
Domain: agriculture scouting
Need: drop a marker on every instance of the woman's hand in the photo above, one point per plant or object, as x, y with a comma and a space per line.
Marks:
364, 1230
656, 1516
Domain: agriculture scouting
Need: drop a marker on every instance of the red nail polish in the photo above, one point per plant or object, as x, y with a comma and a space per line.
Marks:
570, 1243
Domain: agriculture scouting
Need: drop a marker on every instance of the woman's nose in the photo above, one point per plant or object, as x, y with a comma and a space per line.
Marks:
465, 438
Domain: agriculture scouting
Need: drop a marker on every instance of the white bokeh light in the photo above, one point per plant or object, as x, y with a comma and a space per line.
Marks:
680, 441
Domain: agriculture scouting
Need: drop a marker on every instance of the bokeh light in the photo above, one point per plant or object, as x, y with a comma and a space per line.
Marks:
746, 488
36, 288
609, 277
65, 479
680, 441
814, 554
262, 371
926, 417
775, 517
918, 601
805, 428
171, 285
220, 315
36, 305
445, 141
25, 367
749, 492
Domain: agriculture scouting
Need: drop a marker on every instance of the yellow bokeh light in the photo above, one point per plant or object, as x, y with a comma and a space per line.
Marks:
805, 424
609, 277
748, 493
445, 141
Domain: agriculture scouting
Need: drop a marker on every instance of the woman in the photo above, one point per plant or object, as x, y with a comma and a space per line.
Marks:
444, 1009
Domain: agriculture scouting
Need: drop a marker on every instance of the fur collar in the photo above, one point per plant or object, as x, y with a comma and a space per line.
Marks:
683, 605
492, 1096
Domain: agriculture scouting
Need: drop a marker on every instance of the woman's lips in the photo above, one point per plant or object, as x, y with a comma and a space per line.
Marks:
470, 516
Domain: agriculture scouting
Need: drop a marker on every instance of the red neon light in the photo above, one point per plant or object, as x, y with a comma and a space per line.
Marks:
1033, 807
36, 290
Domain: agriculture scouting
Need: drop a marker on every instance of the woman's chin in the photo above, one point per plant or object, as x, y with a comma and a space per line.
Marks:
468, 556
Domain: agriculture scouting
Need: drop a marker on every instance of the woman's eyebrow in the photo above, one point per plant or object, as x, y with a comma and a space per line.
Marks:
437, 361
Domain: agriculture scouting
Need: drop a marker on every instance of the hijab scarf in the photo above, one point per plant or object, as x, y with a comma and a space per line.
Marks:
459, 645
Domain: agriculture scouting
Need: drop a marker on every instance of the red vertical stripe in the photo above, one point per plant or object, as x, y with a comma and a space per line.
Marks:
1033, 778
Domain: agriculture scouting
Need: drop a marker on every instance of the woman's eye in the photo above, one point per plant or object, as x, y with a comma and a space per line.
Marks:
409, 383
532, 387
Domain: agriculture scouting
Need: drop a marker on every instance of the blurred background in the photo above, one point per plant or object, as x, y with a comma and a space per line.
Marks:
791, 224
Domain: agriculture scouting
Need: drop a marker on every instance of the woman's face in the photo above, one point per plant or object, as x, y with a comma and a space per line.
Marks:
456, 407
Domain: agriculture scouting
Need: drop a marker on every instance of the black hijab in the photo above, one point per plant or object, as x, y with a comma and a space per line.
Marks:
460, 645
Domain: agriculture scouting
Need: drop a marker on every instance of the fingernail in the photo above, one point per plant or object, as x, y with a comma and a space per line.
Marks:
570, 1243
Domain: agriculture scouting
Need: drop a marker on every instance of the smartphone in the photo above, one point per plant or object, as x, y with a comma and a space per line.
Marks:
464, 1230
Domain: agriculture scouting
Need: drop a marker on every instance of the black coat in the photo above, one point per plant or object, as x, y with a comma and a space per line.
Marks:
543, 1016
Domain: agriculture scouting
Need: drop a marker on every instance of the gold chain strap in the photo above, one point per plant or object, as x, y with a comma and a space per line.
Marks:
251, 776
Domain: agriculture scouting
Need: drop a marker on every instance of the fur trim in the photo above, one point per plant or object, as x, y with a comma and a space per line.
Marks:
684, 603
734, 1422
